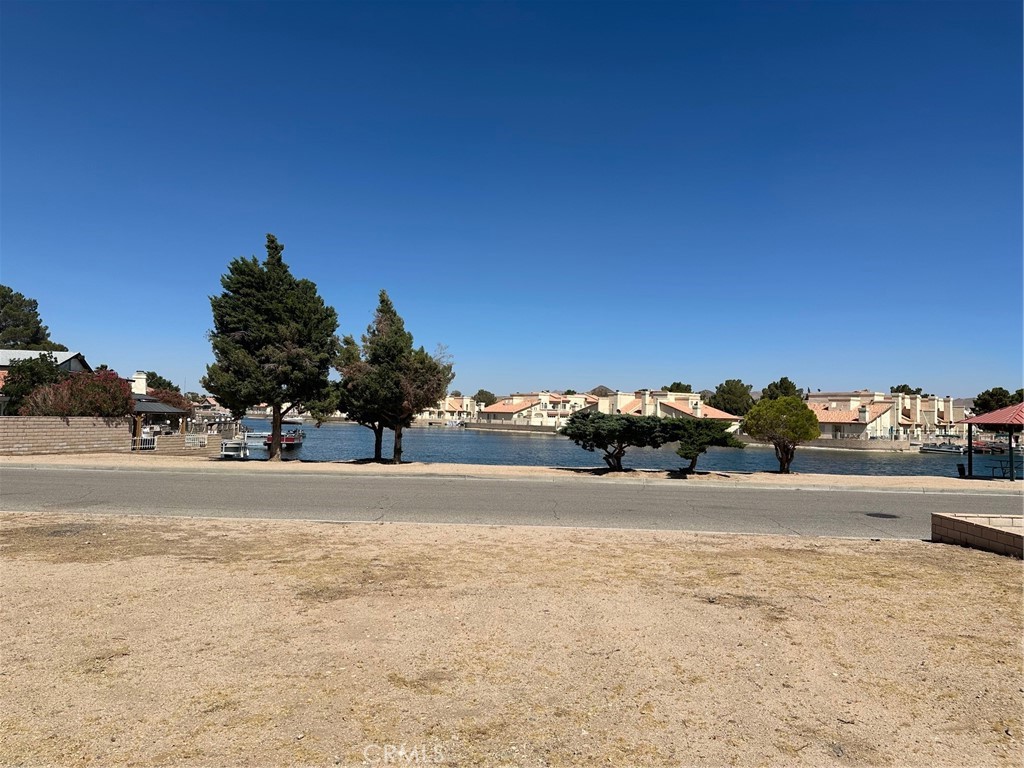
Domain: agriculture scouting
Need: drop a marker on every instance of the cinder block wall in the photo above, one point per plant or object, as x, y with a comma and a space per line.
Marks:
174, 445
22, 435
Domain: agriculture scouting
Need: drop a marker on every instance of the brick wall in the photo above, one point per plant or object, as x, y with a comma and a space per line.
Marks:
1001, 534
22, 435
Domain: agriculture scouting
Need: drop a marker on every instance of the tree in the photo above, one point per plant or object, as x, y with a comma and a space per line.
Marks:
155, 381
678, 386
781, 388
174, 398
904, 389
27, 375
102, 394
456, 393
695, 436
273, 340
387, 382
570, 392
485, 397
20, 324
614, 433
996, 398
785, 423
732, 396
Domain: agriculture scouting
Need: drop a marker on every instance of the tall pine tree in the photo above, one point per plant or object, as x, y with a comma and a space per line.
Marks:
273, 340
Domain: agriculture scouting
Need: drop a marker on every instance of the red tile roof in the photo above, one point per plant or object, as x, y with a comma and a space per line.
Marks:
1005, 417
633, 406
706, 411
510, 407
828, 415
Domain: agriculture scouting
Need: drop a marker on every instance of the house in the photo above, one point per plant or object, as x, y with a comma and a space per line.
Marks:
451, 409
72, 362
538, 409
864, 414
669, 405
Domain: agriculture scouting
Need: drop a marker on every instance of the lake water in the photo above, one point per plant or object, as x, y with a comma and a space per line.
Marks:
345, 442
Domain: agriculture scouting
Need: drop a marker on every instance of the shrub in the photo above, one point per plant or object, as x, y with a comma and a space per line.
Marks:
81, 394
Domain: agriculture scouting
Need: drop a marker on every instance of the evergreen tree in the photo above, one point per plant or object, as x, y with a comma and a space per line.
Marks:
485, 397
781, 388
695, 436
27, 375
20, 324
273, 340
678, 386
732, 396
156, 381
785, 423
387, 382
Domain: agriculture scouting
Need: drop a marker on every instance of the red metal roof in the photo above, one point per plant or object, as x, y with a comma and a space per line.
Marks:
1012, 416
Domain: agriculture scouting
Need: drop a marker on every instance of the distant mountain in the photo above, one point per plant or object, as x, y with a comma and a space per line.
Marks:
601, 391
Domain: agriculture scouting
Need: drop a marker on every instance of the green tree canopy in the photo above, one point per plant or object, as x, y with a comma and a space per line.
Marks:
20, 324
102, 394
785, 423
614, 433
156, 381
678, 386
996, 398
273, 340
906, 389
456, 393
570, 392
485, 397
27, 375
695, 436
781, 388
732, 396
387, 382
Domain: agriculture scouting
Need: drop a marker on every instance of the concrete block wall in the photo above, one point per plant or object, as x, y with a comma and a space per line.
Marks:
174, 445
1002, 534
25, 435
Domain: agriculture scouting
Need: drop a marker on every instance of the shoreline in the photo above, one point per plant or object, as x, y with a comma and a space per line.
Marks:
753, 480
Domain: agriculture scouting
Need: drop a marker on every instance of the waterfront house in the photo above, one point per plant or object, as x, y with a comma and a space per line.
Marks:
449, 410
668, 405
864, 414
538, 409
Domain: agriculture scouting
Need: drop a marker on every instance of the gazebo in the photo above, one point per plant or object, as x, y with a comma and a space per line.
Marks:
1012, 418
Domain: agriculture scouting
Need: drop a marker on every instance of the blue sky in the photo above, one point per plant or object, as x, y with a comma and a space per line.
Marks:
565, 194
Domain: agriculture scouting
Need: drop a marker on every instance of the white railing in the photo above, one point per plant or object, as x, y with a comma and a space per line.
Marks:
195, 441
144, 443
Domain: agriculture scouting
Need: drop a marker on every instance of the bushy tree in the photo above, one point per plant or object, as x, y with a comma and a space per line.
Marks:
678, 386
906, 389
456, 393
695, 436
485, 397
994, 399
273, 340
155, 381
785, 423
102, 394
28, 374
387, 382
732, 396
614, 433
20, 324
570, 392
781, 388
173, 398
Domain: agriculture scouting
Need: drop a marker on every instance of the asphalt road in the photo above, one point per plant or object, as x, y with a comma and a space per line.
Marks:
576, 502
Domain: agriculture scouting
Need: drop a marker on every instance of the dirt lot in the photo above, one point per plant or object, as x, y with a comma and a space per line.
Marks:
142, 641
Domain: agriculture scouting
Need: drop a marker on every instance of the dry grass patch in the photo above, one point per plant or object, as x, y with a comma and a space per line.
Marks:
209, 642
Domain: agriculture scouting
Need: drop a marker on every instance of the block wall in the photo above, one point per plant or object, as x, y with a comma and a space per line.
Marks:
1002, 534
24, 435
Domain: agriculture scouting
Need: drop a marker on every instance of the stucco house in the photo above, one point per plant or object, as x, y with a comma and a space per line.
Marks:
539, 409
863, 415
449, 410
669, 405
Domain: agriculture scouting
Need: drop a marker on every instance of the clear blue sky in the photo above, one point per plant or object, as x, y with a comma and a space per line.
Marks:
565, 194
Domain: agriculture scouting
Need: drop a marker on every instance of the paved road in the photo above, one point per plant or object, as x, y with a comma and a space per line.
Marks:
570, 502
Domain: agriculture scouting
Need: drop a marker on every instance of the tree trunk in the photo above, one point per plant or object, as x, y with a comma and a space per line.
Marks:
397, 457
275, 434
378, 441
693, 465
784, 453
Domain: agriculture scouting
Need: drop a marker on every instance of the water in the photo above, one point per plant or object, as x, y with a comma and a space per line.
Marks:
346, 442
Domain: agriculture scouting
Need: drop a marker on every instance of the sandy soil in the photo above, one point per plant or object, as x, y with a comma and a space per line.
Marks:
751, 479
143, 641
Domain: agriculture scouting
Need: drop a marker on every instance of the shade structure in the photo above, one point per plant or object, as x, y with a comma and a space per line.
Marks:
1011, 417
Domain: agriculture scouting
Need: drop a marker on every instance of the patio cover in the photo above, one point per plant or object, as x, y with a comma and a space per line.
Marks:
1011, 417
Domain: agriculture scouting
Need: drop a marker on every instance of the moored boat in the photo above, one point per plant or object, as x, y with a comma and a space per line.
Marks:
941, 448
291, 439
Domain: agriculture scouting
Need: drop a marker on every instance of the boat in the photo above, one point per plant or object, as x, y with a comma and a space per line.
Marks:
941, 448
291, 439
296, 420
234, 449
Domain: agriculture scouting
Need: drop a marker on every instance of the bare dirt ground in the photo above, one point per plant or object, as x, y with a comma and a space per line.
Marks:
144, 641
